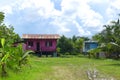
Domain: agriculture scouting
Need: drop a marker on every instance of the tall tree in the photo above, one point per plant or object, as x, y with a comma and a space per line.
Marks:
1, 17
111, 34
7, 32
74, 38
79, 44
9, 56
65, 45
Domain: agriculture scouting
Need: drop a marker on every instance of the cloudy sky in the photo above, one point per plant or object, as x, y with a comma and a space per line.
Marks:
64, 17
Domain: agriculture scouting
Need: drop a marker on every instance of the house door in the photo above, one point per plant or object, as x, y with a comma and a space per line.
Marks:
37, 46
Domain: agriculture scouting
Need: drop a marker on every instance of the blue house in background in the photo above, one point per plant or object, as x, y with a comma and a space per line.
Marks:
89, 45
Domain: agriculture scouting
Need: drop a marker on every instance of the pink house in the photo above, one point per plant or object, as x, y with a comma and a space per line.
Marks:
41, 43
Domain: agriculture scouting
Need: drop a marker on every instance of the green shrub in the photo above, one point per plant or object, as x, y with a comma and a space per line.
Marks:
67, 56
12, 57
67, 53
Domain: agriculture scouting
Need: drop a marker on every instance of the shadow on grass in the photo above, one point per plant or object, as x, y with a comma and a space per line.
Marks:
117, 64
42, 55
114, 64
35, 54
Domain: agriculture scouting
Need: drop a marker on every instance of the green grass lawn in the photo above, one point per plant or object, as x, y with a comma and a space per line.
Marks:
65, 69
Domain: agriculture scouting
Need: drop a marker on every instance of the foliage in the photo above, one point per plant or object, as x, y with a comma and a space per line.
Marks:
10, 57
7, 32
94, 52
67, 56
65, 45
4, 57
1, 17
13, 58
79, 45
18, 57
73, 45
110, 34
74, 38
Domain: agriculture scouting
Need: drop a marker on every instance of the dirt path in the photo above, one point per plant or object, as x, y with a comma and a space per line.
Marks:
63, 73
67, 73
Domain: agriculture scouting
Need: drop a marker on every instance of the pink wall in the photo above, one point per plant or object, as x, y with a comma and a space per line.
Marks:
41, 44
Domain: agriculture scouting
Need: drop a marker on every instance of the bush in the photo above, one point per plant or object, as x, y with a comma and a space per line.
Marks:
67, 53
67, 56
74, 53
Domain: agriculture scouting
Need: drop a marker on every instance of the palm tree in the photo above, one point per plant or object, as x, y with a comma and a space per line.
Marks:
111, 33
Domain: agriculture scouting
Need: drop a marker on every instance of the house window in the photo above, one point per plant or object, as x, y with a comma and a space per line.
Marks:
48, 43
30, 43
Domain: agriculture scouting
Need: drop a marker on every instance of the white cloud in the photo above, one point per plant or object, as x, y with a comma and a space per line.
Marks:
6, 9
62, 25
89, 19
43, 8
72, 9
112, 10
81, 30
116, 4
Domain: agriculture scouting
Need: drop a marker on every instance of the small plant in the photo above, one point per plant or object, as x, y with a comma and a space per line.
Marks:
67, 53
12, 57
4, 57
94, 52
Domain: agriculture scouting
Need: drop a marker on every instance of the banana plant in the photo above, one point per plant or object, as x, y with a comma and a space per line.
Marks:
12, 57
18, 57
23, 57
4, 57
